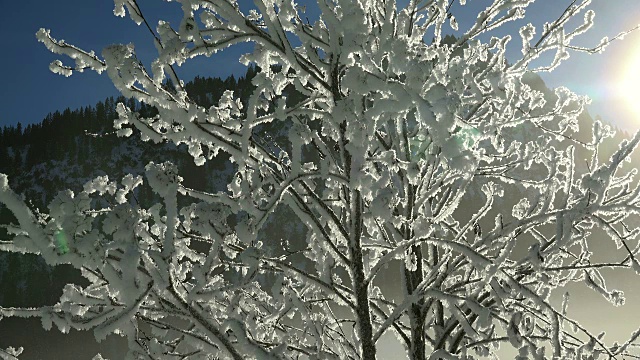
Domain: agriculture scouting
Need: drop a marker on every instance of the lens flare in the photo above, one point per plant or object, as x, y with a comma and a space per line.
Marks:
61, 242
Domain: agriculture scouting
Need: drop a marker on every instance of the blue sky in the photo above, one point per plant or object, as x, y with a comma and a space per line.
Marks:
31, 91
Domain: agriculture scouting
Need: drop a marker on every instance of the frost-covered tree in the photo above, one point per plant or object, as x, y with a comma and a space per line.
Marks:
433, 162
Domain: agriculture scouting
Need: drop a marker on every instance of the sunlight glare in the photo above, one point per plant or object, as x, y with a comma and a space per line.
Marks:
629, 82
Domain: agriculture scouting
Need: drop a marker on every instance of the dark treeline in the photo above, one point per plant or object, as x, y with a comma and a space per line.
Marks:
75, 135
70, 147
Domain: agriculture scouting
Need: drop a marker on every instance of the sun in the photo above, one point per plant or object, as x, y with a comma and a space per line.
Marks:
629, 82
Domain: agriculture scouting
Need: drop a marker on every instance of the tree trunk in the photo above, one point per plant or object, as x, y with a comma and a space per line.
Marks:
363, 310
417, 313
